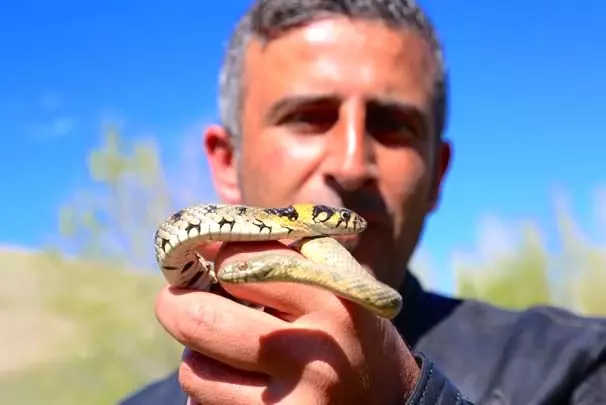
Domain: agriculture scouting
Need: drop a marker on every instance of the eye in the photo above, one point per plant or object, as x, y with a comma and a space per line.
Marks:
393, 125
346, 215
311, 120
391, 129
292, 215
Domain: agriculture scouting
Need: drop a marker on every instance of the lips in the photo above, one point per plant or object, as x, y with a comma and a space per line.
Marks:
371, 207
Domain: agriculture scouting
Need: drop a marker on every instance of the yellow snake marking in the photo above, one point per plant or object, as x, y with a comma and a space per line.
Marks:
329, 265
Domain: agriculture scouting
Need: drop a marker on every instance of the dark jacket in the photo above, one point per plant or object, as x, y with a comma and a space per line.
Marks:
471, 351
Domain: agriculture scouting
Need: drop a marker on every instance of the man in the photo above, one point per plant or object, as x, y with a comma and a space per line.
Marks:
343, 103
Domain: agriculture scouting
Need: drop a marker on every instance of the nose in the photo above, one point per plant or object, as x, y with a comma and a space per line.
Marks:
350, 159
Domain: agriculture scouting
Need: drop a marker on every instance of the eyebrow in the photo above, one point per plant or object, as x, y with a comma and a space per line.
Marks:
374, 103
418, 114
397, 106
392, 104
296, 101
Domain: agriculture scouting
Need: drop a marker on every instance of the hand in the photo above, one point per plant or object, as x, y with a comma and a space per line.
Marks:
308, 347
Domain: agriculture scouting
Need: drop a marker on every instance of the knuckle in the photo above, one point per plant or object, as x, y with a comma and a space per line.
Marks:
187, 378
196, 321
324, 370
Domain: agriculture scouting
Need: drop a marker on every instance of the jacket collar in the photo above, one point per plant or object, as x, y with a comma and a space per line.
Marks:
421, 310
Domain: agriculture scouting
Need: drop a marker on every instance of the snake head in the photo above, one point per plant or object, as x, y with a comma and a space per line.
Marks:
333, 220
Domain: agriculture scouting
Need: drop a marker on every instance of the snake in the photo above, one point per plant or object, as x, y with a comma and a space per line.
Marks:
323, 261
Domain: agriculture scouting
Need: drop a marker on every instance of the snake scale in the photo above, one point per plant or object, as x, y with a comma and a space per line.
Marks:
329, 264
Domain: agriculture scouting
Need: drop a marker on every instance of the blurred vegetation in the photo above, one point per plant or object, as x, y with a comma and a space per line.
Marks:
572, 277
84, 332
114, 221
89, 315
86, 319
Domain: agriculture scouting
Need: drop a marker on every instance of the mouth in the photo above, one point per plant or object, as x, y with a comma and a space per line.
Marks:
376, 217
373, 218
369, 205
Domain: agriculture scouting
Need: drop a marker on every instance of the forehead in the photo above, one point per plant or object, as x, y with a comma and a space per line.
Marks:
347, 58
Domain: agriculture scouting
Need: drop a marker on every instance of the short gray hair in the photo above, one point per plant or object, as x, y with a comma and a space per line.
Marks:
268, 18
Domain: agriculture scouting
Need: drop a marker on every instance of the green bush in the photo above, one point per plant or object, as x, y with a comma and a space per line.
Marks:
573, 277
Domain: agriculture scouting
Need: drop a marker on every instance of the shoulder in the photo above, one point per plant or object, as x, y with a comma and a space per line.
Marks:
164, 391
541, 334
526, 329
531, 319
476, 320
516, 353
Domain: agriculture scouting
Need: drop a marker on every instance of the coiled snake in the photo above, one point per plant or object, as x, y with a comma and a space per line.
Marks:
330, 265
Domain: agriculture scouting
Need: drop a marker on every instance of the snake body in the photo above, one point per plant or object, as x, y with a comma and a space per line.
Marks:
330, 265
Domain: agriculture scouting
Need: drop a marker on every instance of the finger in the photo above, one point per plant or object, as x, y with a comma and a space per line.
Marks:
290, 299
220, 328
208, 381
209, 250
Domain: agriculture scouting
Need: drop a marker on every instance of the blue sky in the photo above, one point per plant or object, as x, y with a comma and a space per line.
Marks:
526, 120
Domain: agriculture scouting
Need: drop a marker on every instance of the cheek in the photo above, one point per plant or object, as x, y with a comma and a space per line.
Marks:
303, 151
404, 177
277, 150
280, 164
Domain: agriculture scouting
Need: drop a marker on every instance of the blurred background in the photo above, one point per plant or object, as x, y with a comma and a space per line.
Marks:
101, 113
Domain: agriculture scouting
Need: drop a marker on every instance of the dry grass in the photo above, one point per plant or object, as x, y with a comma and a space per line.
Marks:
77, 332
23, 309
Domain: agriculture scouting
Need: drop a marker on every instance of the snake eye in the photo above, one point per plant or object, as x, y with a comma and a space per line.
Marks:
346, 215
292, 214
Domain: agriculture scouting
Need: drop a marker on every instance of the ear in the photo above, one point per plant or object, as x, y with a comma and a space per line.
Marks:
442, 164
223, 165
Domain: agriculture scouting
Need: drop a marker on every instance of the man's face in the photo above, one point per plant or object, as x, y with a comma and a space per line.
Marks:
339, 112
